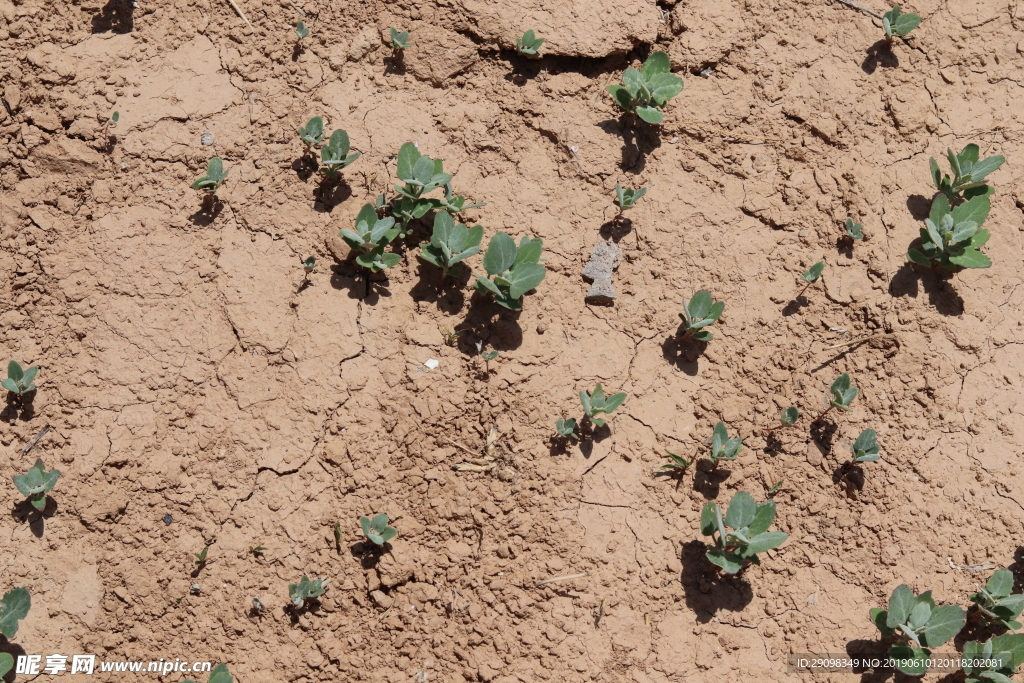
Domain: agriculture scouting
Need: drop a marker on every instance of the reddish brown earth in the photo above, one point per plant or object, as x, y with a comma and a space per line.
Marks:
185, 372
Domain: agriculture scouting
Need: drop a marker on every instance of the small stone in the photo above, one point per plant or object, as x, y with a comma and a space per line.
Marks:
206, 138
604, 259
382, 599
167, 520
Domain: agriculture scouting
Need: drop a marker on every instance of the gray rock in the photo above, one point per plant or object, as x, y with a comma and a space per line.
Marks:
206, 138
604, 259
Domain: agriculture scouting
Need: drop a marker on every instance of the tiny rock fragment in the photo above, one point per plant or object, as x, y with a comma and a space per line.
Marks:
206, 138
432, 363
604, 259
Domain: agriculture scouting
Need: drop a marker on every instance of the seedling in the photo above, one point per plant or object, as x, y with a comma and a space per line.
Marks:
677, 467
110, 124
13, 608
421, 175
951, 237
334, 156
258, 607
312, 133
36, 483
788, 418
211, 182
865, 448
917, 625
451, 337
371, 236
722, 447
307, 267
377, 529
646, 91
566, 429
996, 603
257, 550
529, 44
399, 40
810, 276
749, 521
454, 203
511, 271
702, 311
305, 590
19, 381
854, 231
596, 403
968, 173
626, 198
301, 30
841, 396
896, 23
219, 674
450, 243
995, 660
489, 355
201, 557
776, 487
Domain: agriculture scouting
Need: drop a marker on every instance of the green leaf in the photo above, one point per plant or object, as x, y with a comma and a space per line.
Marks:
501, 254
914, 660
976, 209
995, 677
919, 616
529, 251
944, 623
622, 97
936, 174
867, 441
6, 663
813, 273
14, 607
980, 238
633, 81
486, 284
10, 386
614, 401
742, 509
766, 541
707, 519
700, 305
790, 415
878, 616
963, 232
901, 602
729, 562
649, 114
598, 422
220, 675
971, 258
763, 518
905, 24
657, 63
716, 311
970, 155
407, 156
983, 168
1012, 643
703, 335
919, 258
524, 277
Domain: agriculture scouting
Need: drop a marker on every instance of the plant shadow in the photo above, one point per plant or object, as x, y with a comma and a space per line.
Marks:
919, 206
708, 479
862, 649
208, 211
822, 434
639, 139
937, 285
683, 354
844, 245
361, 285
19, 407
368, 553
305, 166
116, 16
879, 54
1017, 568
488, 322
24, 511
852, 476
615, 230
598, 435
706, 589
395, 64
449, 296
795, 305
329, 193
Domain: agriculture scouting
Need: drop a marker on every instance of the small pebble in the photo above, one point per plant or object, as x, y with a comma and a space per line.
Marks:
167, 520
206, 138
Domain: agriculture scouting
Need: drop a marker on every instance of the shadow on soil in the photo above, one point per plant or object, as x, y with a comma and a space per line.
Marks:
910, 278
707, 590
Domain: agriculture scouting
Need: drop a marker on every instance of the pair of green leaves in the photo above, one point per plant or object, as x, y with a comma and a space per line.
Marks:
566, 429
918, 625
702, 311
529, 44
811, 275
596, 403
399, 39
215, 176
749, 522
855, 231
722, 447
19, 381
36, 483
968, 173
309, 264
301, 30
305, 590
627, 197
897, 23
995, 660
789, 416
842, 392
996, 602
334, 156
646, 91
511, 271
454, 203
951, 237
450, 242
865, 448
678, 463
420, 173
377, 529
371, 236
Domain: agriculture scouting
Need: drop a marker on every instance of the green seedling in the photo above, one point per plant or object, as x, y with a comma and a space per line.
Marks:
626, 198
722, 447
257, 550
810, 276
646, 91
566, 429
749, 521
677, 467
258, 607
529, 44
865, 448
451, 337
201, 557
917, 625
19, 381
301, 30
215, 176
897, 23
450, 243
788, 418
701, 312
219, 674
995, 660
996, 603
334, 156
454, 203
399, 40
855, 231
36, 483
511, 271
305, 590
308, 265
111, 124
776, 487
951, 237
596, 403
312, 133
968, 174
13, 608
489, 355
377, 529
421, 175
841, 396
407, 210
371, 236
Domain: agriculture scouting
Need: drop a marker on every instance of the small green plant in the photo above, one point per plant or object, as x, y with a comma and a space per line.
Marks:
258, 608
451, 337
646, 91
776, 487
841, 395
219, 674
36, 483
701, 312
677, 467
450, 243
312, 133
566, 429
917, 625
257, 549
306, 590
995, 660
810, 276
421, 175
454, 203
215, 176
308, 265
201, 557
855, 231
13, 608
529, 44
596, 403
339, 536
749, 521
511, 271
996, 603
626, 198
20, 381
334, 156
110, 124
788, 418
951, 237
399, 40
371, 236
489, 355
968, 173
301, 30
865, 448
897, 23
722, 447
377, 529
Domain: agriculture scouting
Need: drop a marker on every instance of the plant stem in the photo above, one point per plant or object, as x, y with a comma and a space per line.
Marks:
803, 290
823, 414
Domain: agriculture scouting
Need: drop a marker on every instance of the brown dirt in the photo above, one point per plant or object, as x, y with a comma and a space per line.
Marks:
183, 371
